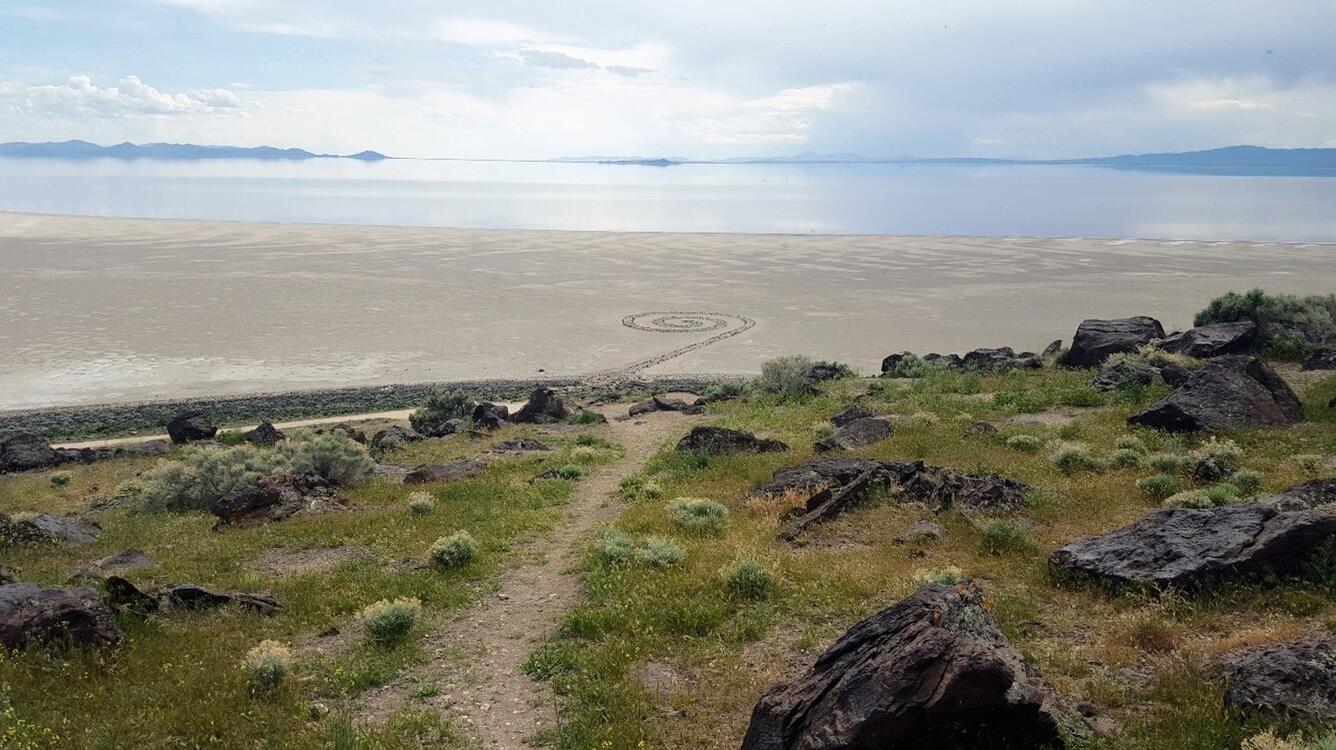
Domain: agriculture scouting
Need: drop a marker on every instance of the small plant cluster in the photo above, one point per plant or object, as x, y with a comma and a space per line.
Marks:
998, 537
454, 550
639, 487
61, 478
949, 575
268, 664
1072, 458
725, 390
698, 515
421, 503
616, 548
748, 579
205, 475
1214, 461
586, 417
1025, 443
786, 377
390, 621
441, 407
570, 471
908, 366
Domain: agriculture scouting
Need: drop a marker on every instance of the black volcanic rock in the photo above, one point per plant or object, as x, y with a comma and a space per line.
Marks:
1225, 393
191, 426
31, 614
543, 407
23, 451
265, 434
1295, 680
1096, 340
1214, 340
721, 440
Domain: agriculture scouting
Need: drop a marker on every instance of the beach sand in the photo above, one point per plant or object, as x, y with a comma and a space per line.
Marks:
101, 310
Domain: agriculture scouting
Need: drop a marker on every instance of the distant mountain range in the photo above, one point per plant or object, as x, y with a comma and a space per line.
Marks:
86, 150
1228, 160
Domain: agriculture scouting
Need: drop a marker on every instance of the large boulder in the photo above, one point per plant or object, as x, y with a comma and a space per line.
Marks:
1295, 680
543, 407
392, 437
46, 528
1225, 393
273, 497
706, 439
1001, 359
265, 434
22, 451
820, 371
450, 472
1214, 340
1186, 546
489, 416
31, 614
851, 413
1320, 359
933, 671
856, 434
1096, 340
190, 426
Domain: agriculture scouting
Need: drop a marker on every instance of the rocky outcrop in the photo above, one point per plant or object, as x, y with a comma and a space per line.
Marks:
1188, 547
543, 407
720, 440
1002, 359
820, 371
841, 484
273, 497
1096, 340
1295, 680
31, 614
933, 671
1320, 359
1225, 393
392, 437
265, 434
187, 596
1214, 340
856, 434
1054, 347
489, 416
449, 472
1306, 495
190, 426
851, 413
23, 451
666, 403
44, 528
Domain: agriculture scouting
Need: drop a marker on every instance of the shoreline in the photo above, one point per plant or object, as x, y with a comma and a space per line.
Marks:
137, 418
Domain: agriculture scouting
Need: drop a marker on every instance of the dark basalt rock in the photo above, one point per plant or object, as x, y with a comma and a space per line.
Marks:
1214, 340
187, 596
719, 440
1209, 470
1186, 547
892, 361
31, 614
1053, 348
1111, 378
352, 433
1174, 375
1225, 393
951, 361
1295, 680
488, 416
523, 444
1307, 495
23, 451
820, 473
394, 436
1002, 359
851, 413
6, 576
1096, 339
1320, 359
46, 528
828, 371
543, 407
190, 426
856, 434
933, 671
273, 497
453, 471
126, 597
265, 434
665, 403
129, 558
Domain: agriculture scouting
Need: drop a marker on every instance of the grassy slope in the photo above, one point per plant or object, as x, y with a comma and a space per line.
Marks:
176, 680
1144, 661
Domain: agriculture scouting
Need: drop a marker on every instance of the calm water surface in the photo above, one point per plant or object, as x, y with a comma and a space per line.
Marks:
1041, 201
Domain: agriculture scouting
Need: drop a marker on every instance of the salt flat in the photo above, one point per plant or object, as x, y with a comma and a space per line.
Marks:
97, 310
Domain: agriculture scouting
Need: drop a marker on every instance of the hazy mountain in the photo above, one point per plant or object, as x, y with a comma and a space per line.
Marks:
85, 150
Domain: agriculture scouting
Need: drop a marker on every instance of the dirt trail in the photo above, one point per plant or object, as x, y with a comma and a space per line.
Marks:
475, 659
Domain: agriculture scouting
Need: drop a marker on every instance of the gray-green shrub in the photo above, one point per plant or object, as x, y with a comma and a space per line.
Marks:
1159, 486
786, 377
698, 515
390, 621
748, 579
1027, 443
332, 455
1288, 326
1125, 458
267, 665
1074, 457
997, 537
454, 550
440, 407
1166, 463
1248, 481
203, 476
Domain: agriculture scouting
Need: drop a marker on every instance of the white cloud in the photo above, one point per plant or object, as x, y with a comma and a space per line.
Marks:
80, 97
482, 32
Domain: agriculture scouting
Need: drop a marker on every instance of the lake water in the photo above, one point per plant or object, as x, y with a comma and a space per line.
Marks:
1041, 201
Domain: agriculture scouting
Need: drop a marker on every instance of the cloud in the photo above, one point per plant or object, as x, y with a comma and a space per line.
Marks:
80, 97
627, 70
558, 60
481, 32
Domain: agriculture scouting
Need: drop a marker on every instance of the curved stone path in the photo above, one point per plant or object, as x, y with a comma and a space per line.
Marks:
677, 321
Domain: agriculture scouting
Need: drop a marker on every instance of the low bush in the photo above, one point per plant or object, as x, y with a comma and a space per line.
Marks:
1027, 443
997, 537
230, 437
949, 575
570, 471
1071, 458
421, 503
584, 454
442, 406
1223, 493
1190, 499
660, 552
454, 550
1158, 486
748, 579
267, 665
61, 478
1248, 482
725, 390
1125, 458
1309, 462
786, 377
1167, 463
615, 548
909, 366
332, 455
587, 416
202, 477
1130, 443
1225, 451
698, 515
390, 621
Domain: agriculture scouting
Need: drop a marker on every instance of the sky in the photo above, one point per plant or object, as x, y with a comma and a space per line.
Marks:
687, 78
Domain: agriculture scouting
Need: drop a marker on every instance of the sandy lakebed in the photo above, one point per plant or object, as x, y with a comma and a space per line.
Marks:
101, 310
